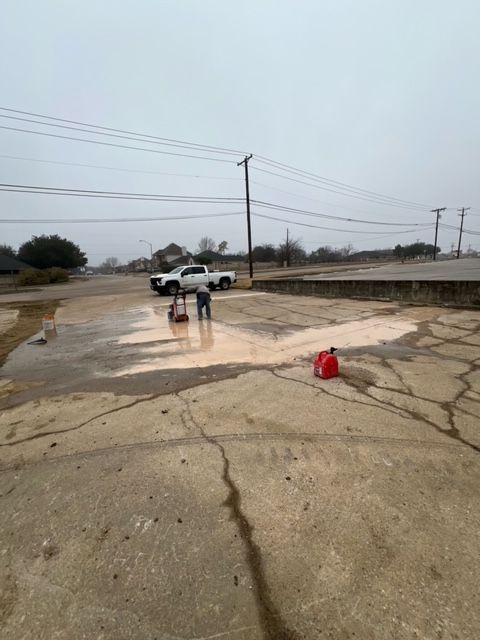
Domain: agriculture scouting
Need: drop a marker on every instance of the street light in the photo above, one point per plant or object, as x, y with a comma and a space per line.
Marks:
151, 253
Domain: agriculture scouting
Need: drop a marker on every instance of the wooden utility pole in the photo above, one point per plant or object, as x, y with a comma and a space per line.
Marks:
437, 211
287, 252
463, 214
249, 226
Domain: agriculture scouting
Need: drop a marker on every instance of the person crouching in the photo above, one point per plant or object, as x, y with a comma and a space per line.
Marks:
203, 300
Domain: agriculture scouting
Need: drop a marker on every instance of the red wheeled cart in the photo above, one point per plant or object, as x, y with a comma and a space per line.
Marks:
177, 311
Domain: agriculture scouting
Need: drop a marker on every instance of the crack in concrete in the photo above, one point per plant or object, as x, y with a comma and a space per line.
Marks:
376, 403
44, 434
272, 623
453, 432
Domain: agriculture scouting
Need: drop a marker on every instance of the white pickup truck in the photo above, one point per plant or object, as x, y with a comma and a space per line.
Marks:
189, 278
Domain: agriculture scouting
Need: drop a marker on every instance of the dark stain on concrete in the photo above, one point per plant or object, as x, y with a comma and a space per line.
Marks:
273, 625
157, 383
271, 329
8, 597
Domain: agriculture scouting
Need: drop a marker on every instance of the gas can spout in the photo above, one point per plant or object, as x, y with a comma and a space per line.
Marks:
333, 349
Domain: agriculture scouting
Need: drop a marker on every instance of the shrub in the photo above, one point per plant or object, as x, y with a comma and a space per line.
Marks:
56, 274
31, 277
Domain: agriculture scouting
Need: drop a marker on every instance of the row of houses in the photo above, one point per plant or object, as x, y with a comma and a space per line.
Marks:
173, 256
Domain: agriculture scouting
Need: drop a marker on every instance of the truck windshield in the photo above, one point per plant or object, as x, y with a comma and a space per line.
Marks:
176, 270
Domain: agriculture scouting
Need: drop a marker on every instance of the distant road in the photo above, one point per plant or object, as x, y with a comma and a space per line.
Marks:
118, 284
281, 272
464, 269
79, 287
467, 269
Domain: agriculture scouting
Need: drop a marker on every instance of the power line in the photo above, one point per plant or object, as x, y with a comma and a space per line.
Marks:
17, 188
330, 204
112, 144
143, 135
116, 220
127, 170
350, 195
101, 130
356, 240
314, 226
289, 169
130, 135
302, 195
110, 135
452, 227
108, 197
91, 193
270, 205
351, 190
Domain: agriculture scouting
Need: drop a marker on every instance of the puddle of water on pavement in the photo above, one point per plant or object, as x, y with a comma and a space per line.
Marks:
170, 345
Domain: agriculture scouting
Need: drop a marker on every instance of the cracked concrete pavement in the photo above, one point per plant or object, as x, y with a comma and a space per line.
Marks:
197, 481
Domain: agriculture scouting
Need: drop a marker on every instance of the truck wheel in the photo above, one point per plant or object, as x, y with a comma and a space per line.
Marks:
172, 288
225, 284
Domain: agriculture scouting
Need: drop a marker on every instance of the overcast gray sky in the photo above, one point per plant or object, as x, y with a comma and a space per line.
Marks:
378, 94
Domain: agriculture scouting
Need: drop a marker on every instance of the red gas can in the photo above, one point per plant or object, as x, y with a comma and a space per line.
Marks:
326, 364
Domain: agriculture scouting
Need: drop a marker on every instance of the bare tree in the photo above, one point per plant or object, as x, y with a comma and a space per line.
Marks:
206, 244
222, 247
346, 250
291, 252
110, 264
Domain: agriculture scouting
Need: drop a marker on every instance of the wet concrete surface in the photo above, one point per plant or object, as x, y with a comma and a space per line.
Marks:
143, 341
197, 481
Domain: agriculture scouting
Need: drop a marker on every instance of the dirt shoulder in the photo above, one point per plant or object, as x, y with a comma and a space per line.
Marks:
19, 321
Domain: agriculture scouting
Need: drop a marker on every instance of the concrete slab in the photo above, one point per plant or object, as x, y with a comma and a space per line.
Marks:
198, 481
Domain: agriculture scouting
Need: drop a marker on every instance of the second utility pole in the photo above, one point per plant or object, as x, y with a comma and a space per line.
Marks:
437, 211
463, 209
249, 227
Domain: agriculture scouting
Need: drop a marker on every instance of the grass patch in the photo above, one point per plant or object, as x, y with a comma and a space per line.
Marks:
244, 283
29, 322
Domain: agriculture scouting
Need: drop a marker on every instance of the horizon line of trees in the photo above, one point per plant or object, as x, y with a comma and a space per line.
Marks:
43, 252
415, 250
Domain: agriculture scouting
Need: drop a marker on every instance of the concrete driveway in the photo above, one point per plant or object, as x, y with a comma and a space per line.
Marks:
198, 482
